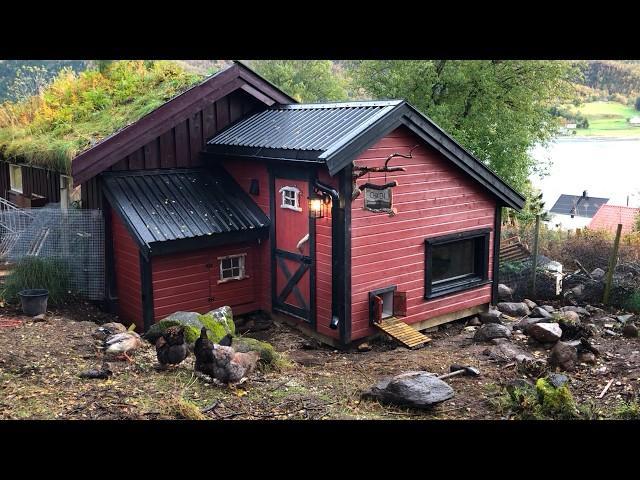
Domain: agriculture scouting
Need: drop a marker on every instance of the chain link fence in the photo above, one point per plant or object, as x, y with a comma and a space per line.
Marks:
74, 237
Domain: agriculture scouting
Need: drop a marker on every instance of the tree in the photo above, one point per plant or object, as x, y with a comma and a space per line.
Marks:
304, 80
496, 109
29, 80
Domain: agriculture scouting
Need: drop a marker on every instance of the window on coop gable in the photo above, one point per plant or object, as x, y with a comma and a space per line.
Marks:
232, 267
290, 198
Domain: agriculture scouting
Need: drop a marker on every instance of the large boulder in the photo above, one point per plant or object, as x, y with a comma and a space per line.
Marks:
504, 292
514, 309
563, 356
530, 303
583, 312
219, 322
490, 331
540, 312
246, 344
491, 316
570, 316
598, 274
545, 332
411, 389
524, 324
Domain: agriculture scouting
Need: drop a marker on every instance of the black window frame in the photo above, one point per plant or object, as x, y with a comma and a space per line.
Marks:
481, 258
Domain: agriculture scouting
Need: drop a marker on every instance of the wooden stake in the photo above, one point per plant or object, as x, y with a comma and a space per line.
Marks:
535, 258
613, 260
604, 390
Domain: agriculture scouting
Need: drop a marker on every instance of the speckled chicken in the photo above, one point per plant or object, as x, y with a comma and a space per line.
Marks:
221, 361
171, 348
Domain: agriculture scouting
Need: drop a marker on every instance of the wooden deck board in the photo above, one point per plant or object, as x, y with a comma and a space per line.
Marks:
402, 332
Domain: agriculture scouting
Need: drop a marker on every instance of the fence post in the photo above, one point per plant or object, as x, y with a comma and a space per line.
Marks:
534, 262
613, 260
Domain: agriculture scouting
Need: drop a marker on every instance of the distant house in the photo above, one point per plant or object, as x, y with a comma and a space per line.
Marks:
574, 211
635, 121
609, 216
571, 126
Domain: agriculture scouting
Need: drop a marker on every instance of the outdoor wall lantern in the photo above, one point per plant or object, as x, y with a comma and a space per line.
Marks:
318, 205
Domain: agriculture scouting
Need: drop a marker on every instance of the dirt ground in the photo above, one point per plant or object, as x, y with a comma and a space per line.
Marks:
40, 364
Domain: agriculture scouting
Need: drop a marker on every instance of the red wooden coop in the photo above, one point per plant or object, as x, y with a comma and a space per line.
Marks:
333, 216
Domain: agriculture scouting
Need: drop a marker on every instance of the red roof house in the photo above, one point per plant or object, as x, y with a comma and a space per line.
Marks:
609, 216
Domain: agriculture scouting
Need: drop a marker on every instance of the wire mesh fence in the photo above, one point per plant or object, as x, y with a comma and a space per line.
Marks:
74, 237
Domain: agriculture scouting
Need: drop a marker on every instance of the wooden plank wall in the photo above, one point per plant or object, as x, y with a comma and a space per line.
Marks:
128, 280
433, 198
181, 145
4, 179
35, 180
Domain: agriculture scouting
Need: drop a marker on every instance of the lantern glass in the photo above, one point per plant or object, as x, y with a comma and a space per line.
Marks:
316, 207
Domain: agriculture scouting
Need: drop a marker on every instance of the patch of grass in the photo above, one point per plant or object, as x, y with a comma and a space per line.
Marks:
184, 409
35, 272
77, 110
607, 119
627, 411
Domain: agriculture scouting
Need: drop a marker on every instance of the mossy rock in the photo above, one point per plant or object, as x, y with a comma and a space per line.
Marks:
268, 355
219, 322
555, 402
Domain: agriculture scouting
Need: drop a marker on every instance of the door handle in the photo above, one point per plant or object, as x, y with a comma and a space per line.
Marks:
302, 241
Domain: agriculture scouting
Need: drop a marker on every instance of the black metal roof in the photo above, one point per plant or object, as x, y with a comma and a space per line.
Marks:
335, 133
578, 205
181, 209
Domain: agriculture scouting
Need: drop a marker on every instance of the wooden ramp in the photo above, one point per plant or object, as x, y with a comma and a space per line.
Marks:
402, 332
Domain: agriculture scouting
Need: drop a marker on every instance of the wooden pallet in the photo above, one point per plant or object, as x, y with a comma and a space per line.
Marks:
402, 332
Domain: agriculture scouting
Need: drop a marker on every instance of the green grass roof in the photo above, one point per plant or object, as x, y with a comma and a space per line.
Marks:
76, 111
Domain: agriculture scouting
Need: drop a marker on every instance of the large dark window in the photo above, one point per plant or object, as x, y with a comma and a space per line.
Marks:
456, 262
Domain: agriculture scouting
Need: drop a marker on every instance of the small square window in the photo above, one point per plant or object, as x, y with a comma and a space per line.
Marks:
232, 267
290, 198
15, 178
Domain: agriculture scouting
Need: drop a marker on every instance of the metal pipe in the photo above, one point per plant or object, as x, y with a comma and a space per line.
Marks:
335, 205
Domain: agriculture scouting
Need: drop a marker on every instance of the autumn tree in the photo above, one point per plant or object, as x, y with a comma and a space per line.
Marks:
497, 109
305, 80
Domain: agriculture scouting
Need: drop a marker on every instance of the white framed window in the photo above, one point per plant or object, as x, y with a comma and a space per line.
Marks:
15, 178
290, 198
232, 267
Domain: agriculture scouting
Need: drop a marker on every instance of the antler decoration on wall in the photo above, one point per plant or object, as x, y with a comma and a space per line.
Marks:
362, 171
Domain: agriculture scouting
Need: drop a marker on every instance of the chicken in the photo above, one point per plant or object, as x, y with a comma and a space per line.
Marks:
222, 362
171, 348
102, 332
122, 343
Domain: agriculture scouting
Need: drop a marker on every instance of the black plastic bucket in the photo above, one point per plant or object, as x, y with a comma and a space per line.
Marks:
34, 301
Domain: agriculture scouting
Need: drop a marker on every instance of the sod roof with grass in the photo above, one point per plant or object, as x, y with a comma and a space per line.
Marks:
76, 111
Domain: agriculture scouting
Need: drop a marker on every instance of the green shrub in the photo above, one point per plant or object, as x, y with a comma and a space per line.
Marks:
627, 411
34, 272
633, 302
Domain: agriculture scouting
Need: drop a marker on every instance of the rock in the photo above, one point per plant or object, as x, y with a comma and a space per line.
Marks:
490, 331
630, 330
525, 323
594, 310
516, 309
411, 389
570, 316
431, 329
587, 357
577, 291
611, 333
620, 318
470, 328
311, 344
474, 322
268, 355
563, 356
539, 312
548, 308
492, 316
579, 310
598, 274
557, 379
504, 292
40, 318
219, 322
545, 332
507, 352
530, 303
364, 347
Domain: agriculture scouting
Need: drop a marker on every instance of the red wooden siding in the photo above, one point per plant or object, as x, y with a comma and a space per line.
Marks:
243, 171
35, 180
4, 179
182, 282
433, 198
323, 266
127, 270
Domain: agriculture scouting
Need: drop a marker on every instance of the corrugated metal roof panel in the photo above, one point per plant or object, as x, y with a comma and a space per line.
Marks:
170, 205
316, 127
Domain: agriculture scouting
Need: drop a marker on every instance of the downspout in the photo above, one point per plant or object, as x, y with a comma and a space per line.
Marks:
336, 233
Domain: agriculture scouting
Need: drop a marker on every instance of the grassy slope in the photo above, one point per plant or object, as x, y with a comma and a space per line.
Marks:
608, 119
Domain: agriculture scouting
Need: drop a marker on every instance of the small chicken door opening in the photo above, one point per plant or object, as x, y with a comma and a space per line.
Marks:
387, 304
